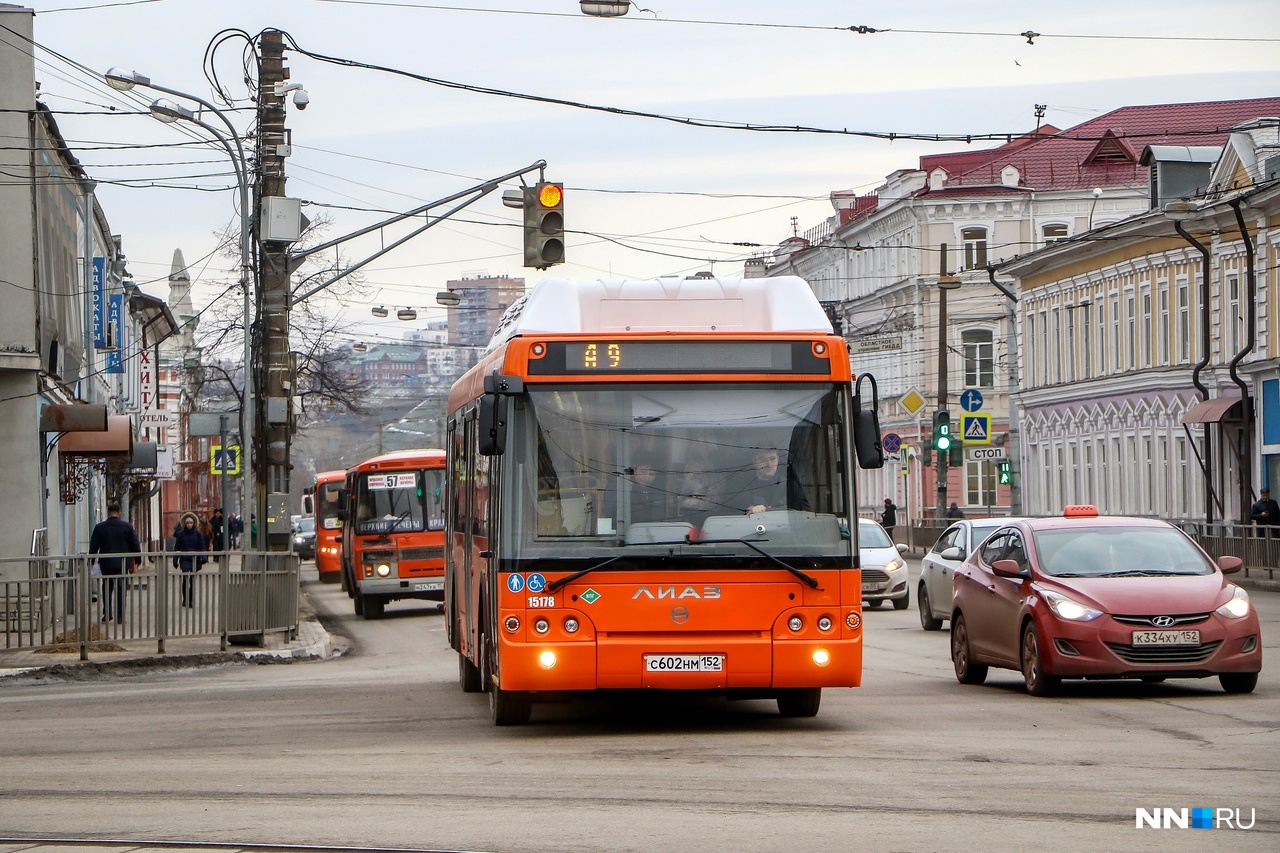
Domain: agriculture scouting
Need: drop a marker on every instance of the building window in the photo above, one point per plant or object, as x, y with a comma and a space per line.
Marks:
1033, 348
1131, 334
1164, 323
1146, 328
1069, 354
1233, 313
975, 248
1055, 233
980, 483
979, 358
1115, 334
1086, 346
1184, 323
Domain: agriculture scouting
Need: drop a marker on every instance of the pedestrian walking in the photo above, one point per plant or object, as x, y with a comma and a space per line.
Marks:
117, 538
954, 511
189, 547
216, 525
889, 518
235, 527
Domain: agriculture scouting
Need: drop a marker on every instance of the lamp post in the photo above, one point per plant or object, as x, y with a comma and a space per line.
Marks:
123, 80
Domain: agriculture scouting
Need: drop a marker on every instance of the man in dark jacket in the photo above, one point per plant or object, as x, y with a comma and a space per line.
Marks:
116, 537
1265, 510
216, 542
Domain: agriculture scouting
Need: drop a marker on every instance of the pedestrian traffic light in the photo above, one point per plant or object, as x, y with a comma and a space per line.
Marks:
1004, 473
543, 225
942, 431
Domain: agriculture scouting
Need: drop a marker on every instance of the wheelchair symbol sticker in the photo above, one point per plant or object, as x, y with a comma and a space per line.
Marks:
537, 583
515, 583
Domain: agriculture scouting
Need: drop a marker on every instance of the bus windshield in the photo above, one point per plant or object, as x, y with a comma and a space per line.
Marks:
597, 471
400, 501
329, 497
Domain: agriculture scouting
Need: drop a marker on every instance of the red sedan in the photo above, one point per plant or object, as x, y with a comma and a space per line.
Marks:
1084, 596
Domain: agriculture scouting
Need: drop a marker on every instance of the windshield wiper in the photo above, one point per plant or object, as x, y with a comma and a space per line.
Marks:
1141, 573
809, 581
557, 584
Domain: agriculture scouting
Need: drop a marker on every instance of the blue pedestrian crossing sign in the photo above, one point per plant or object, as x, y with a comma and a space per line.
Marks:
971, 400
975, 429
224, 460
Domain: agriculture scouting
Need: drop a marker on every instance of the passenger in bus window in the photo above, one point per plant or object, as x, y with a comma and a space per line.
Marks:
768, 486
648, 495
693, 490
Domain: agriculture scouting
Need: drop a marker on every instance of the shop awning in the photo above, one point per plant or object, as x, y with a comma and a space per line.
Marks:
1214, 411
117, 440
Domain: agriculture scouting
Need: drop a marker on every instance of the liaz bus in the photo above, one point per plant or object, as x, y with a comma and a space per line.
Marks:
651, 487
393, 532
328, 504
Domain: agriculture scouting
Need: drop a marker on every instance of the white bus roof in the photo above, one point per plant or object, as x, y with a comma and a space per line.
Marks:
669, 304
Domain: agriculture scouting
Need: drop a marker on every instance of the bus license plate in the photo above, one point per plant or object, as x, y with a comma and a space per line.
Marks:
684, 663
1166, 638
428, 586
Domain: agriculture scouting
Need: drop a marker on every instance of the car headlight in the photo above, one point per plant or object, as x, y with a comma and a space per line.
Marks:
1237, 606
1065, 608
893, 565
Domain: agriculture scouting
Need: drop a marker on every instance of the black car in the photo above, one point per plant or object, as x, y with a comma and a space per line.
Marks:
304, 538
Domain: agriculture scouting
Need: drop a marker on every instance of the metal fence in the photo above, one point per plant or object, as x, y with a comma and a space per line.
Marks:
64, 604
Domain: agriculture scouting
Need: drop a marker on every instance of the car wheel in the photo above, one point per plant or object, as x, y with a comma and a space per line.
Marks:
927, 620
1039, 683
870, 605
799, 702
468, 675
967, 672
902, 603
1238, 682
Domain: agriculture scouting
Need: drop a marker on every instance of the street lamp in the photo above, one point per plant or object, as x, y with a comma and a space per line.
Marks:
605, 8
124, 80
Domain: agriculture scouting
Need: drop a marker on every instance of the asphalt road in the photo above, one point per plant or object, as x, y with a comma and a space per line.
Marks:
380, 748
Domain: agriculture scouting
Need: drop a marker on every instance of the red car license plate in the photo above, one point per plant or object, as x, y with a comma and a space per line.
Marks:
1166, 638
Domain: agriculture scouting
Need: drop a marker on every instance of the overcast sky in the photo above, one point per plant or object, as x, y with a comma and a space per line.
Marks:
643, 197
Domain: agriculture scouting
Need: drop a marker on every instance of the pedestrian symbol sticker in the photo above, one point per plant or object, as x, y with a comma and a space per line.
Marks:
515, 582
975, 428
537, 583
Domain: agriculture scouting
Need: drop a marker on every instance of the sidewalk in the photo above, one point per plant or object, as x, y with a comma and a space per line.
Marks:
312, 642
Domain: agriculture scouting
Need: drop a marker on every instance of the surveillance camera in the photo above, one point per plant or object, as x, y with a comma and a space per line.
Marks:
301, 99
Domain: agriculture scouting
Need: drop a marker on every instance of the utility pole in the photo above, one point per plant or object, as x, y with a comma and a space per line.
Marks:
275, 417
945, 282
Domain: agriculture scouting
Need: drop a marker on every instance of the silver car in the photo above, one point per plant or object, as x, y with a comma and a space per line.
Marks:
957, 542
884, 569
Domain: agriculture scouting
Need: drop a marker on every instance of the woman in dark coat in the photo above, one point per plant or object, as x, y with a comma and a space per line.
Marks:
189, 540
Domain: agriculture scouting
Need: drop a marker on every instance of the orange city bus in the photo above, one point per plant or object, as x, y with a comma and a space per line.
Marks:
393, 533
328, 505
651, 486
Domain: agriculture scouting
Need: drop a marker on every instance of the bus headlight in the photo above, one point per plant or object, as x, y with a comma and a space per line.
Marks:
382, 570
821, 657
571, 625
512, 624
824, 623
795, 623
541, 625
547, 659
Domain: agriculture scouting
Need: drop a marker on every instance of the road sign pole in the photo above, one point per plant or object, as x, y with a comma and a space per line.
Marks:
222, 437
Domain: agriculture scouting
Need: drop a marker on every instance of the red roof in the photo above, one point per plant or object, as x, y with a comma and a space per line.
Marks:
1103, 151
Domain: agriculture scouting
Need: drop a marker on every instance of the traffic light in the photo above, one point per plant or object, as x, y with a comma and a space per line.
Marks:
942, 431
543, 225
1004, 473
955, 456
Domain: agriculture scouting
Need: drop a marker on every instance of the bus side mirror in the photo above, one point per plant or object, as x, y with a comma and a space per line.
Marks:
866, 426
492, 440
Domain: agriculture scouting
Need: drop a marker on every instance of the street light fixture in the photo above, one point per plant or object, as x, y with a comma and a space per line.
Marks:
605, 8
406, 314
124, 80
379, 311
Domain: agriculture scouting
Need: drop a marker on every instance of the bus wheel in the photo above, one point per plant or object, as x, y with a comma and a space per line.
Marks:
468, 675
506, 707
373, 606
799, 701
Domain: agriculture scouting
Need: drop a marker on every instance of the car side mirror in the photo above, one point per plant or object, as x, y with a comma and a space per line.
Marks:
902, 548
952, 553
1230, 565
1007, 569
338, 539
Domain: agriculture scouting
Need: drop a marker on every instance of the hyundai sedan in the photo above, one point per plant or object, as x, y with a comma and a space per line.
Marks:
1085, 596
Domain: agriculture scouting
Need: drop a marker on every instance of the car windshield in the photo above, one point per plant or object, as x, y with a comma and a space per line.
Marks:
1118, 552
872, 535
594, 472
307, 525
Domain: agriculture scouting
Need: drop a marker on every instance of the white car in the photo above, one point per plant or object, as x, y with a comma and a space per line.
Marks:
957, 542
884, 570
